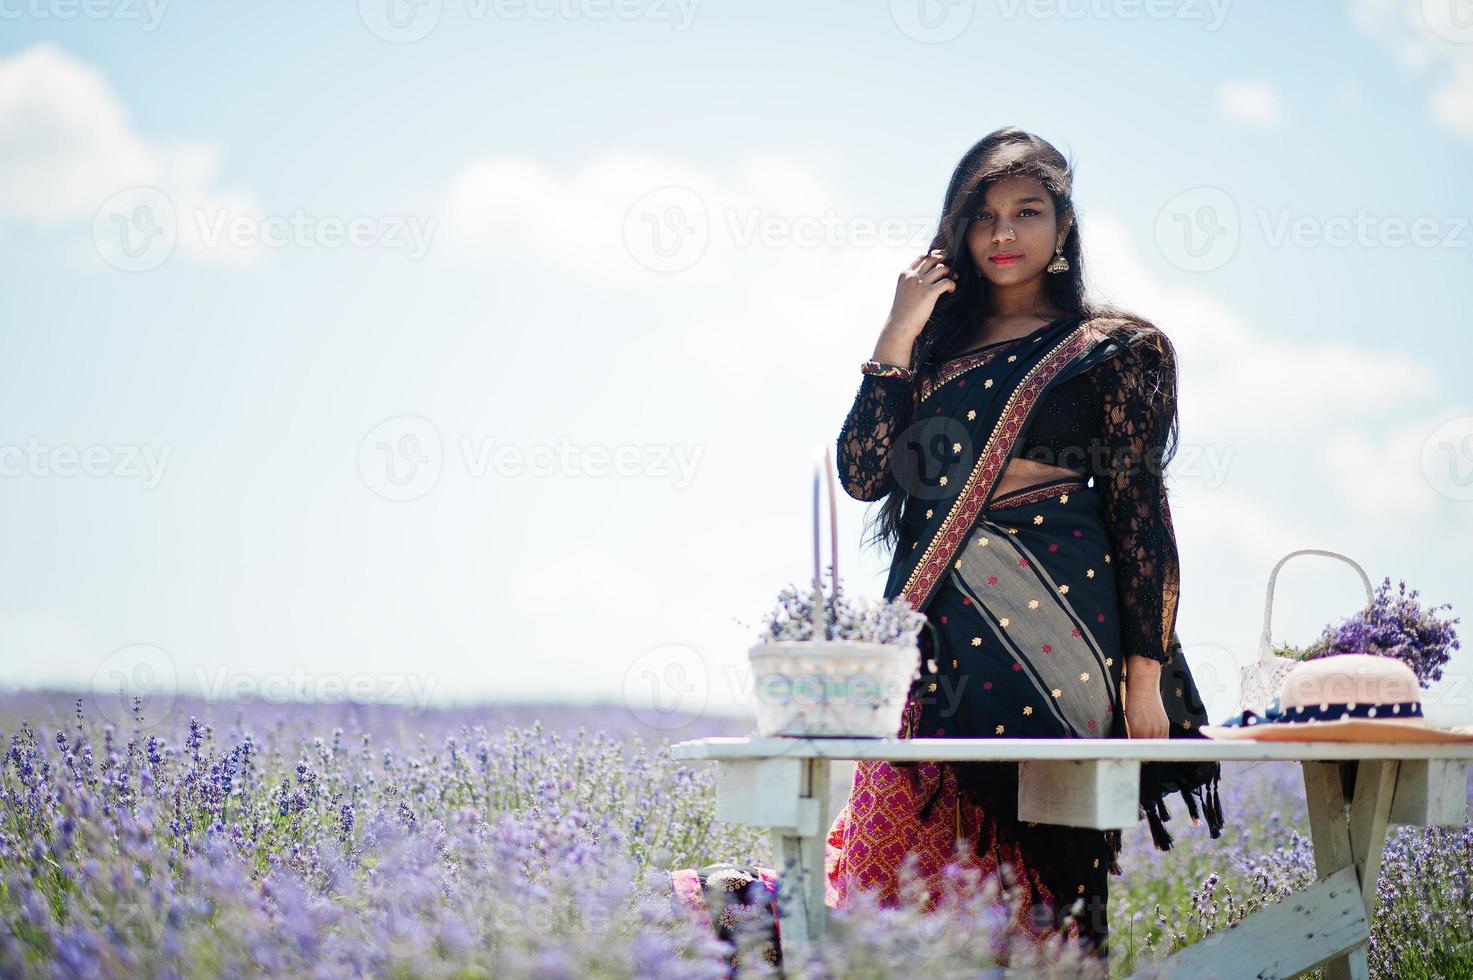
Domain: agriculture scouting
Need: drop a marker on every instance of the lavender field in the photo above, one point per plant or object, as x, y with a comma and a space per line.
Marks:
533, 841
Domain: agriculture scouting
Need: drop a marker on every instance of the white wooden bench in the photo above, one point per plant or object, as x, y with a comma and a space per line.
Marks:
782, 784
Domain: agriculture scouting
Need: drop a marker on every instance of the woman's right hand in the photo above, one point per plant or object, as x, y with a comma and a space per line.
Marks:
916, 292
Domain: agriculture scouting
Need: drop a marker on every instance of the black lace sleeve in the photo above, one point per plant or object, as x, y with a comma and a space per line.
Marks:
881, 409
1137, 394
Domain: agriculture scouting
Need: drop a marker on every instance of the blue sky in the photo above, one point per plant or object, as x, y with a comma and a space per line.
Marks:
1324, 403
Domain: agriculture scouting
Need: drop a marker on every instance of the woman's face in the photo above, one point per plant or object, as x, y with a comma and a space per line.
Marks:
1017, 219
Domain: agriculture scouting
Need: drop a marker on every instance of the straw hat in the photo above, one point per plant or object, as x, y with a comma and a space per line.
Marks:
1348, 697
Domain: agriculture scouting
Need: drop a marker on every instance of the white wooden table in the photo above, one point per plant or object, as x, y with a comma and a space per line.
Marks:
782, 784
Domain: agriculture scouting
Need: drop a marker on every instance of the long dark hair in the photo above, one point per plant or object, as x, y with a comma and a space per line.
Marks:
954, 321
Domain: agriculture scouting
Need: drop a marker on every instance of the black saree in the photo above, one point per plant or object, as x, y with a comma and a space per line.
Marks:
1023, 635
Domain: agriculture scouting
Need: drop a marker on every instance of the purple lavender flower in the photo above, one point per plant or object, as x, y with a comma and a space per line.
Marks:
1394, 626
892, 621
503, 841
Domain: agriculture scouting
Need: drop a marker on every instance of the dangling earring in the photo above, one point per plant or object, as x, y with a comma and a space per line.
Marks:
1058, 263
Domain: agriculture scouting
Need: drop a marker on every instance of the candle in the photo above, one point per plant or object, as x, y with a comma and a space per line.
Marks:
828, 470
826, 465
818, 628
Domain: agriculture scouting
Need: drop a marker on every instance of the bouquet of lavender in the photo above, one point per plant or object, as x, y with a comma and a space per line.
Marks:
893, 621
1393, 626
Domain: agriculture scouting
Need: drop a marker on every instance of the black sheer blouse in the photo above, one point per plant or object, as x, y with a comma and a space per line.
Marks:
1110, 422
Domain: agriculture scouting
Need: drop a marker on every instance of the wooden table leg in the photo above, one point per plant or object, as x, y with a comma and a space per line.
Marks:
1328, 924
790, 797
799, 854
1350, 835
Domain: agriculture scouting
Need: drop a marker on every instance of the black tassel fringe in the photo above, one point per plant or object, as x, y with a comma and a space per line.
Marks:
1202, 802
1156, 816
1195, 804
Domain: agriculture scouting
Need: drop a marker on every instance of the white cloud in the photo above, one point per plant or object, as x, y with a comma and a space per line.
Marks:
1246, 522
1382, 475
629, 217
508, 205
1242, 379
65, 142
1430, 38
1452, 102
68, 147
1254, 398
1250, 102
1347, 421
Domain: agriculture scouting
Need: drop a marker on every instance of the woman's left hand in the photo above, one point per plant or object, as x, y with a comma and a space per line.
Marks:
1145, 715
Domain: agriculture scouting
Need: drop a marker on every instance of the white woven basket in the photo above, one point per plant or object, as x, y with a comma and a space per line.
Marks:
1263, 680
831, 688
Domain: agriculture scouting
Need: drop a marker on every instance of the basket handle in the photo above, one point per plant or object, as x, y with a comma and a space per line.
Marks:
826, 468
1265, 642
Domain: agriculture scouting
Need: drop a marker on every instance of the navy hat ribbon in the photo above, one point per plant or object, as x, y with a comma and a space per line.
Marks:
1334, 711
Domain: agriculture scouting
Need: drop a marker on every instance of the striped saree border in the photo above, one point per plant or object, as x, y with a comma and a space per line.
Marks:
957, 367
1037, 492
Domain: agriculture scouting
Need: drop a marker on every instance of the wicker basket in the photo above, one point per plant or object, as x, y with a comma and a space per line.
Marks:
831, 688
1263, 680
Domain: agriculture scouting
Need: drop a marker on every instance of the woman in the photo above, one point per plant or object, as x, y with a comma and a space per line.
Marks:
995, 391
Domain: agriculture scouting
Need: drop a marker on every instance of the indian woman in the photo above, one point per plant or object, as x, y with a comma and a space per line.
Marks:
1017, 436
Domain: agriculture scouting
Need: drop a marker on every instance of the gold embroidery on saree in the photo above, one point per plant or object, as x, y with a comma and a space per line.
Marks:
959, 519
954, 369
1032, 495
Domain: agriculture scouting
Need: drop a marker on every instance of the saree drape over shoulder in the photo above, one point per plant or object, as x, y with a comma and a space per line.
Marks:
1033, 602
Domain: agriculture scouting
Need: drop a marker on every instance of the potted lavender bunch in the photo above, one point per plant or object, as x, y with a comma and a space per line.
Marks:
826, 666
841, 619
1393, 626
